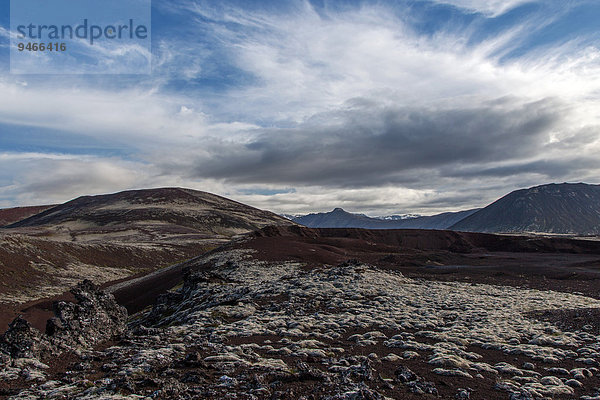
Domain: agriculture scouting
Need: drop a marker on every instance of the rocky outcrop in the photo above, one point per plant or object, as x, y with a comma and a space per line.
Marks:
249, 329
96, 317
22, 340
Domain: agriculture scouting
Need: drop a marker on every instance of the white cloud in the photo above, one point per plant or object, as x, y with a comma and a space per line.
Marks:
488, 7
4, 32
44, 178
131, 116
306, 63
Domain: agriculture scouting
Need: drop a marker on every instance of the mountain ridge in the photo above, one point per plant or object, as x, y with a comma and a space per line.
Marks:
565, 208
339, 218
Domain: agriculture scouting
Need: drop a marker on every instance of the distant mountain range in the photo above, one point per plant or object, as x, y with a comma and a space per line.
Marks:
568, 208
339, 218
399, 217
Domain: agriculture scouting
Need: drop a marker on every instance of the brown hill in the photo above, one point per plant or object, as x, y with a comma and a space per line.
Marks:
151, 212
110, 237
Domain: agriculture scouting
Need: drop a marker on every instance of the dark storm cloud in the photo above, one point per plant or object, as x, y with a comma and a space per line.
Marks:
444, 201
368, 144
552, 168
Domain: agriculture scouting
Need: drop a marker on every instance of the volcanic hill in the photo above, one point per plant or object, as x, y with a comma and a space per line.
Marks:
113, 236
567, 208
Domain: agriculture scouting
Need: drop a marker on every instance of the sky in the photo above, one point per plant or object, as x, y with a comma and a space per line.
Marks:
379, 107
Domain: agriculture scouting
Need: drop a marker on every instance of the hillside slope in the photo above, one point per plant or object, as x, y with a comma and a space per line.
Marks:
11, 215
170, 209
555, 208
109, 237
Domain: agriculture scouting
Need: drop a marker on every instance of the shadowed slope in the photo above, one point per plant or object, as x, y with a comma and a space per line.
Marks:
11, 215
556, 208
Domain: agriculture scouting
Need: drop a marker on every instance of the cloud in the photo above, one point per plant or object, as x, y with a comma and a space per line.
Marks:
44, 178
126, 115
52, 177
351, 107
487, 7
546, 168
306, 62
374, 144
